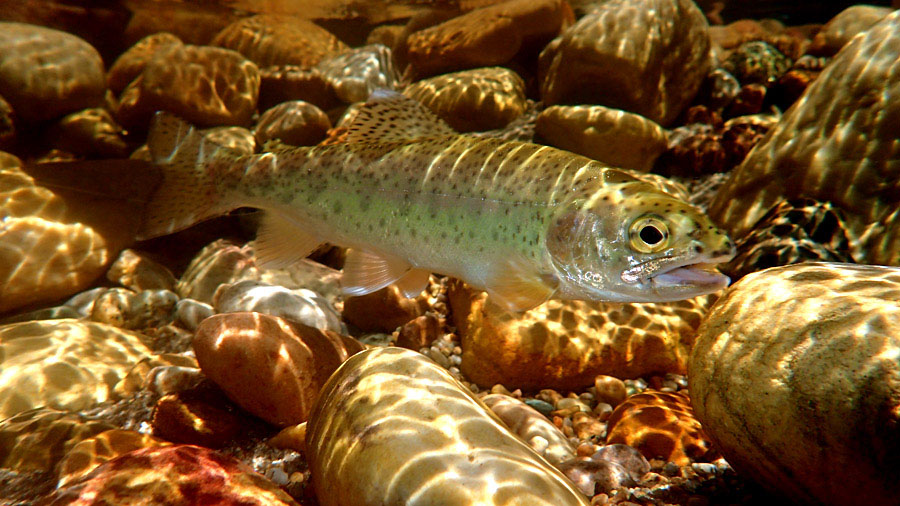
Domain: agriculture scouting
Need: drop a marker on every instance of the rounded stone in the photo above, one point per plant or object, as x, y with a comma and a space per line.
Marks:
355, 74
131, 63
218, 263
207, 86
45, 73
533, 427
284, 83
487, 36
478, 99
296, 122
566, 344
795, 377
837, 143
660, 425
135, 270
612, 136
92, 133
300, 305
172, 475
400, 422
594, 477
271, 39
648, 57
272, 367
86, 455
383, 310
847, 24
64, 364
610, 390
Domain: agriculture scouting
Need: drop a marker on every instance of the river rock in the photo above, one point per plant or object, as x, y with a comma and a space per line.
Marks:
64, 364
282, 83
58, 242
204, 85
648, 57
131, 63
355, 74
220, 262
533, 427
296, 122
487, 36
172, 475
301, 305
660, 425
795, 377
383, 310
91, 133
478, 99
86, 455
566, 344
415, 422
45, 73
838, 143
37, 439
199, 416
612, 136
847, 24
272, 39
272, 367
137, 271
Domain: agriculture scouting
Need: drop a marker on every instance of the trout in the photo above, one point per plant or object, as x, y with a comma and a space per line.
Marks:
409, 196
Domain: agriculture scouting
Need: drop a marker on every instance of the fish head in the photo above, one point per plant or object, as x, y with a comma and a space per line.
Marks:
636, 244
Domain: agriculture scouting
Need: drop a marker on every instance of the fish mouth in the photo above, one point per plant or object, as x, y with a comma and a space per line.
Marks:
696, 274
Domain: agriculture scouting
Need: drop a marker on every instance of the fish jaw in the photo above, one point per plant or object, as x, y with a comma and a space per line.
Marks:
680, 279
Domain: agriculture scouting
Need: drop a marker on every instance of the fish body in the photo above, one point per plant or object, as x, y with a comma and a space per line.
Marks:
409, 196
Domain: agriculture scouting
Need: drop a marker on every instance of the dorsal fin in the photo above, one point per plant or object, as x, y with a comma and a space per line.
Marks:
389, 116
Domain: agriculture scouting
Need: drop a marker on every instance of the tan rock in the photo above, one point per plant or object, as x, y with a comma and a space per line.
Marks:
566, 344
648, 57
137, 271
271, 367
488, 36
837, 143
45, 73
847, 24
612, 136
270, 39
207, 86
533, 427
191, 23
131, 63
86, 455
172, 475
415, 422
355, 74
37, 439
291, 82
660, 425
64, 364
220, 262
795, 377
478, 99
383, 310
58, 242
296, 122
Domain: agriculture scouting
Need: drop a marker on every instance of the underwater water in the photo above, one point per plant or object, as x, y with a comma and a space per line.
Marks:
542, 252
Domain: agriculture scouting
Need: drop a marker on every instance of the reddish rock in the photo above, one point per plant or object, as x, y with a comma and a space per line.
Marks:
132, 62
296, 122
269, 366
383, 310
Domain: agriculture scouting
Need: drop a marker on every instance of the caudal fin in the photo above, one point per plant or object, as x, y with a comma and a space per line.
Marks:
188, 193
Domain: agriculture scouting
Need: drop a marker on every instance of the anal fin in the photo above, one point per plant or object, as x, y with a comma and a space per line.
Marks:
281, 242
366, 272
413, 282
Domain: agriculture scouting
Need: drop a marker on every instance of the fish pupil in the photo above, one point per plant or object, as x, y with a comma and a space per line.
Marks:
651, 235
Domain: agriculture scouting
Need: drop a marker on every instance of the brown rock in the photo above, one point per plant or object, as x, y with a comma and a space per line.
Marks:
290, 82
484, 37
191, 23
269, 366
220, 262
809, 153
296, 122
643, 56
612, 136
479, 99
847, 24
46, 73
419, 332
197, 417
207, 86
566, 344
610, 390
85, 456
132, 62
660, 425
176, 475
90, 133
139, 272
270, 39
383, 310
795, 377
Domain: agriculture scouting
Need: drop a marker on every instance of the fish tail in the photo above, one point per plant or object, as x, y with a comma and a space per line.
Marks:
188, 193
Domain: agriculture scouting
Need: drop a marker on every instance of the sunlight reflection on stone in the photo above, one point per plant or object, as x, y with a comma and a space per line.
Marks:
413, 435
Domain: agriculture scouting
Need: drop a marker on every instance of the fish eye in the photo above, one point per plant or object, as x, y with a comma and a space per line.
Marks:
649, 234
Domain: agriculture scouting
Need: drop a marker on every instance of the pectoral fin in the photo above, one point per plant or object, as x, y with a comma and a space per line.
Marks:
366, 272
518, 290
280, 242
413, 282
